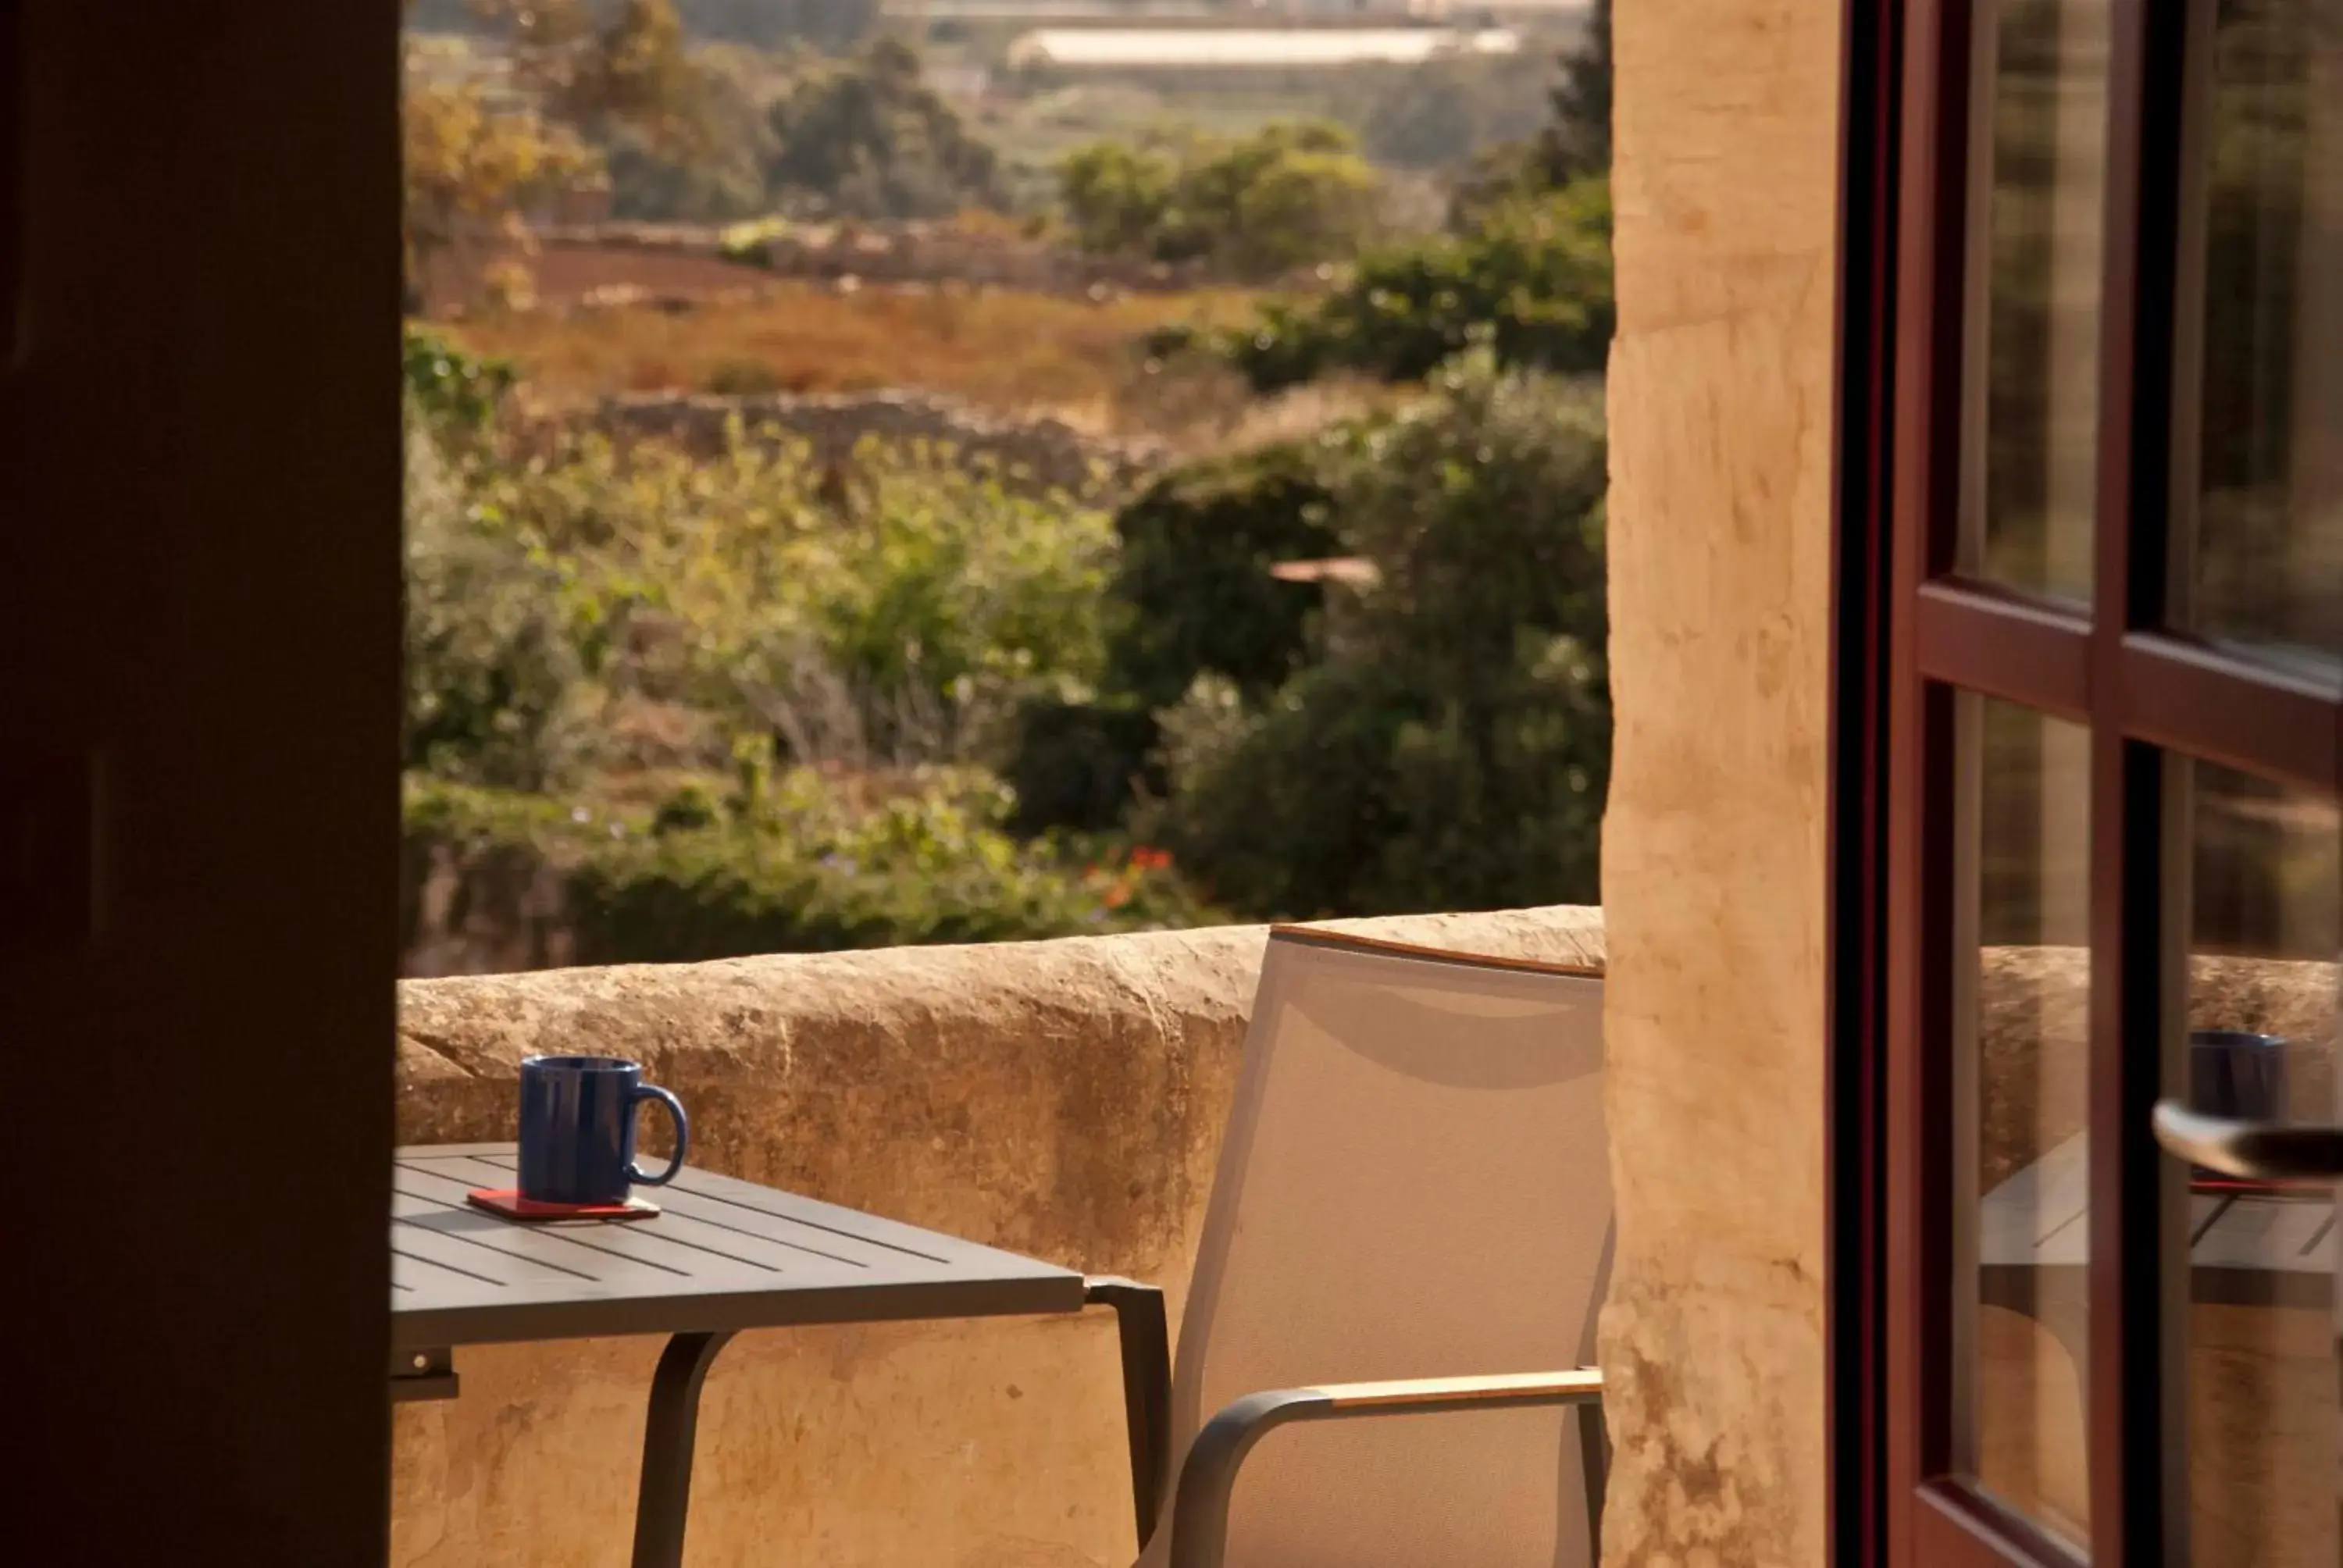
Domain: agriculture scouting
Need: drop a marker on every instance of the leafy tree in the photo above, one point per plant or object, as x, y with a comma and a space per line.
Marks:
1193, 592
1525, 265
715, 175
866, 137
1577, 143
1451, 749
454, 393
1192, 597
551, 575
679, 131
472, 168
1117, 196
600, 66
1309, 199
1291, 193
496, 680
1532, 278
1439, 113
1574, 144
785, 862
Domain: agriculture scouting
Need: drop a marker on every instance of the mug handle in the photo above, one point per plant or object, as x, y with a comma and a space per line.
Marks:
682, 1136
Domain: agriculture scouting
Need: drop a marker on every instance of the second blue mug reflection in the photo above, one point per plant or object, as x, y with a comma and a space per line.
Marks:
2237, 1074
577, 1128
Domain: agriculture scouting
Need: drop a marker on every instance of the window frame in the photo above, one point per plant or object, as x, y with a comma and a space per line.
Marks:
1910, 631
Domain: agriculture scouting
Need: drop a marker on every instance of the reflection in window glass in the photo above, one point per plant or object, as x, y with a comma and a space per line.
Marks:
2262, 555
2021, 1078
2035, 283
2261, 904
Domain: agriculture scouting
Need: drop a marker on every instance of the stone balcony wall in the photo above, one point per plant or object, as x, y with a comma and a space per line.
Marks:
1065, 1100
1060, 1098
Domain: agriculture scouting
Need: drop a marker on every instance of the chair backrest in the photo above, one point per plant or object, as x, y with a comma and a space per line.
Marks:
1414, 1183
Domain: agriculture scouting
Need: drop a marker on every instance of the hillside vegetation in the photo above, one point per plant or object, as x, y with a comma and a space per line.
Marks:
1344, 653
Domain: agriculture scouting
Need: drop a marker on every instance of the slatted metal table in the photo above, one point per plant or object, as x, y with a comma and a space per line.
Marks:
722, 1255
2245, 1249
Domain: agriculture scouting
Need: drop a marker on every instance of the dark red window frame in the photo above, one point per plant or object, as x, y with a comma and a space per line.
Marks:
1909, 632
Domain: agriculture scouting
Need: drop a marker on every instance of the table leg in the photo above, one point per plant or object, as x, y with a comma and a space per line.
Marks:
1146, 1388
423, 1374
665, 1492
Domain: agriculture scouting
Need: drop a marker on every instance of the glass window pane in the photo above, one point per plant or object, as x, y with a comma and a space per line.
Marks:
2260, 487
2022, 1091
2258, 906
2039, 165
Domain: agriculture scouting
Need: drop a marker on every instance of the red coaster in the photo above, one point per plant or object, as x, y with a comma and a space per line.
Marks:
2251, 1187
509, 1203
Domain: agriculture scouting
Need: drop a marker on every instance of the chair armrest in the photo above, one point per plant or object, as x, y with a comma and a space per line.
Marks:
1146, 1345
1200, 1510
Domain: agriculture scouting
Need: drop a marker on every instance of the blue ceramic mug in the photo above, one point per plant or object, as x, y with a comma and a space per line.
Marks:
2237, 1074
577, 1128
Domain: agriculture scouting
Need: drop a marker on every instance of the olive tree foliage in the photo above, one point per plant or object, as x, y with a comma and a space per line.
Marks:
677, 128
1451, 748
598, 66
866, 137
718, 173
588, 85
1576, 141
1438, 113
684, 129
473, 166
1291, 193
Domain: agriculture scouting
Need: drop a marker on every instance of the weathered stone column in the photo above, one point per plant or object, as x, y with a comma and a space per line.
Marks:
1720, 410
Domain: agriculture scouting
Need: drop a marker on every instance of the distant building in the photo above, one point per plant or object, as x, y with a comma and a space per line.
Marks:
1525, 10
1425, 10
1250, 14
1125, 12
1148, 49
1147, 13
958, 81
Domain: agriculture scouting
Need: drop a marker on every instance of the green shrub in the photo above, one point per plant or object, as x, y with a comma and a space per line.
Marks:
1435, 113
649, 182
742, 377
1118, 198
1192, 590
1082, 765
805, 867
497, 683
448, 386
1453, 749
1291, 193
749, 242
1532, 279
867, 138
1192, 595
894, 610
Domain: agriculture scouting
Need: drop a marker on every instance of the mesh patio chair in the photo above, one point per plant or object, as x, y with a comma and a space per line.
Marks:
1408, 1240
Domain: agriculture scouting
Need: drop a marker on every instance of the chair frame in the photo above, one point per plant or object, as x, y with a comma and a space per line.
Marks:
1207, 1481
1199, 1511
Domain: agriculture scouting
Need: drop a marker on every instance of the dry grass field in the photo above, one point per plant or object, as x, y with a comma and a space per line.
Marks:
1008, 351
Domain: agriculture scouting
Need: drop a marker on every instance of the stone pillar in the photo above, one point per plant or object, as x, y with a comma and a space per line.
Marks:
1713, 881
